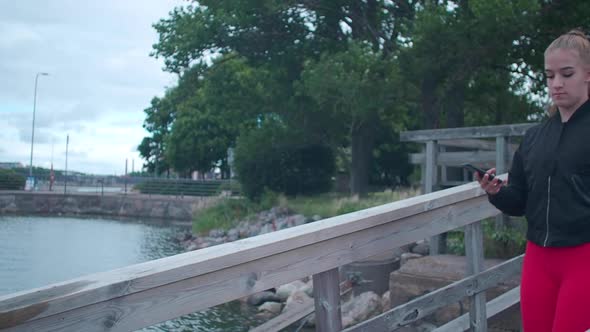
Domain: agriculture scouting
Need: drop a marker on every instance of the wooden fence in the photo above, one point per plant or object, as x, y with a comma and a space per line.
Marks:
141, 295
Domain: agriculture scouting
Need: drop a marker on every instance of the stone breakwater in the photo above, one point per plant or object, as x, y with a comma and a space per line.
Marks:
167, 208
270, 303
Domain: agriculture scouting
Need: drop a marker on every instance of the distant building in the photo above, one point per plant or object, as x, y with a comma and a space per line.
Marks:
11, 165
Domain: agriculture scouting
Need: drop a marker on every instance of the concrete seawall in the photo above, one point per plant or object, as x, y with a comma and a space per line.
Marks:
112, 205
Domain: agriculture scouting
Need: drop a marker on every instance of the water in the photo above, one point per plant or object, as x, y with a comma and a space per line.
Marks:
38, 251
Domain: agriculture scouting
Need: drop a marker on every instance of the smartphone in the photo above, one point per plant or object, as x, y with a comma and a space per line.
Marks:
480, 172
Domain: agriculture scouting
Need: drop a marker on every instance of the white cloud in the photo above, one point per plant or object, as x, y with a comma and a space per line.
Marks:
101, 79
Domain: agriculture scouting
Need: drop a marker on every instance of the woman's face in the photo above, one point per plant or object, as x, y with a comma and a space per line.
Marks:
567, 79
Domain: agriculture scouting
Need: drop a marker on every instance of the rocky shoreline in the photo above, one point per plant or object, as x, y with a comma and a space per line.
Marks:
270, 303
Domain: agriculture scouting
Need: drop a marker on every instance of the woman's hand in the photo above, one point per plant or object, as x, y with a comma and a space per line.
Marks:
490, 187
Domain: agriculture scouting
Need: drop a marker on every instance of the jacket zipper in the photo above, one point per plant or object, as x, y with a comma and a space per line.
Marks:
547, 214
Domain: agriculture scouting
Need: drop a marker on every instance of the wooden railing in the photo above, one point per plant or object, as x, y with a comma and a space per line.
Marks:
141, 295
435, 158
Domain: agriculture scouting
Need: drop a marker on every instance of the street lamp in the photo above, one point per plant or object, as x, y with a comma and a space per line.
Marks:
33, 129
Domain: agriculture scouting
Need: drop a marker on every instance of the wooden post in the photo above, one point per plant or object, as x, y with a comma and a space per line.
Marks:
437, 243
423, 173
475, 264
502, 220
443, 169
326, 292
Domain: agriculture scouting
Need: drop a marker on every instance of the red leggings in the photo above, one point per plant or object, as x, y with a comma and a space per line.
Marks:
555, 289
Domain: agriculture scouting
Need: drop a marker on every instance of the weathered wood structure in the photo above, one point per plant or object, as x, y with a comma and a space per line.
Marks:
141, 295
487, 147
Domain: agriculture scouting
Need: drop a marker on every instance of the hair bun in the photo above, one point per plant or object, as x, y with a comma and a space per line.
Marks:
579, 32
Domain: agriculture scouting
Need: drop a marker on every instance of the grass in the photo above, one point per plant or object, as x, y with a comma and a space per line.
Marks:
230, 211
503, 243
227, 213
329, 205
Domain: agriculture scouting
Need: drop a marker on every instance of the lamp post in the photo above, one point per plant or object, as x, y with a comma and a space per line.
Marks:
33, 130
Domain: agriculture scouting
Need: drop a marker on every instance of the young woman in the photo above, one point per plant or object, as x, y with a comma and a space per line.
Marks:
549, 183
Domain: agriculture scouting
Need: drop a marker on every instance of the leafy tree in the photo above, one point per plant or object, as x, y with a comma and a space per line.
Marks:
346, 72
231, 97
11, 180
282, 36
356, 87
159, 118
273, 157
449, 46
551, 19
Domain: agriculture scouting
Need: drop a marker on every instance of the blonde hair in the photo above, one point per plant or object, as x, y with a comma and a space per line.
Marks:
575, 40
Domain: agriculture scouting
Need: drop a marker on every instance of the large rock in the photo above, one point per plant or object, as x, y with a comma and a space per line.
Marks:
284, 291
261, 297
360, 308
271, 307
423, 275
296, 299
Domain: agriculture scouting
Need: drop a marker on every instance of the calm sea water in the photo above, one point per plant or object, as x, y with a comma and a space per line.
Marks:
38, 251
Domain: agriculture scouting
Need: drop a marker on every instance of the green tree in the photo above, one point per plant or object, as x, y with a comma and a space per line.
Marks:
356, 87
272, 157
552, 19
159, 118
282, 36
449, 46
231, 97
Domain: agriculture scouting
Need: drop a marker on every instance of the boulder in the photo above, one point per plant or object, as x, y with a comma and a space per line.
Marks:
421, 248
385, 301
296, 299
284, 291
271, 307
259, 298
405, 257
360, 308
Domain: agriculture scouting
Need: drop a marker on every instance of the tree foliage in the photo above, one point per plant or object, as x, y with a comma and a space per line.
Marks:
344, 74
271, 157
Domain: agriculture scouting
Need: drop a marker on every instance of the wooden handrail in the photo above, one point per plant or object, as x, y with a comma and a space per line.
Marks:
144, 294
465, 132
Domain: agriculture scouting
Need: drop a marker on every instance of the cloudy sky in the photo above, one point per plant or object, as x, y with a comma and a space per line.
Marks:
101, 78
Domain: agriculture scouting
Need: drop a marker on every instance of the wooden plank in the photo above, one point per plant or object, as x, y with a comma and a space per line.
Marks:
431, 163
474, 144
423, 171
493, 308
426, 304
457, 158
501, 154
185, 283
502, 220
453, 183
465, 132
430, 181
327, 301
443, 169
475, 264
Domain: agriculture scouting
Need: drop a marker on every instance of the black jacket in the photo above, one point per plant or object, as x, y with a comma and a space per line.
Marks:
549, 181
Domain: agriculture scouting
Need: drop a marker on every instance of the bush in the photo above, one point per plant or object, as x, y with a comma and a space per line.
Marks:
503, 243
227, 213
10, 180
272, 158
